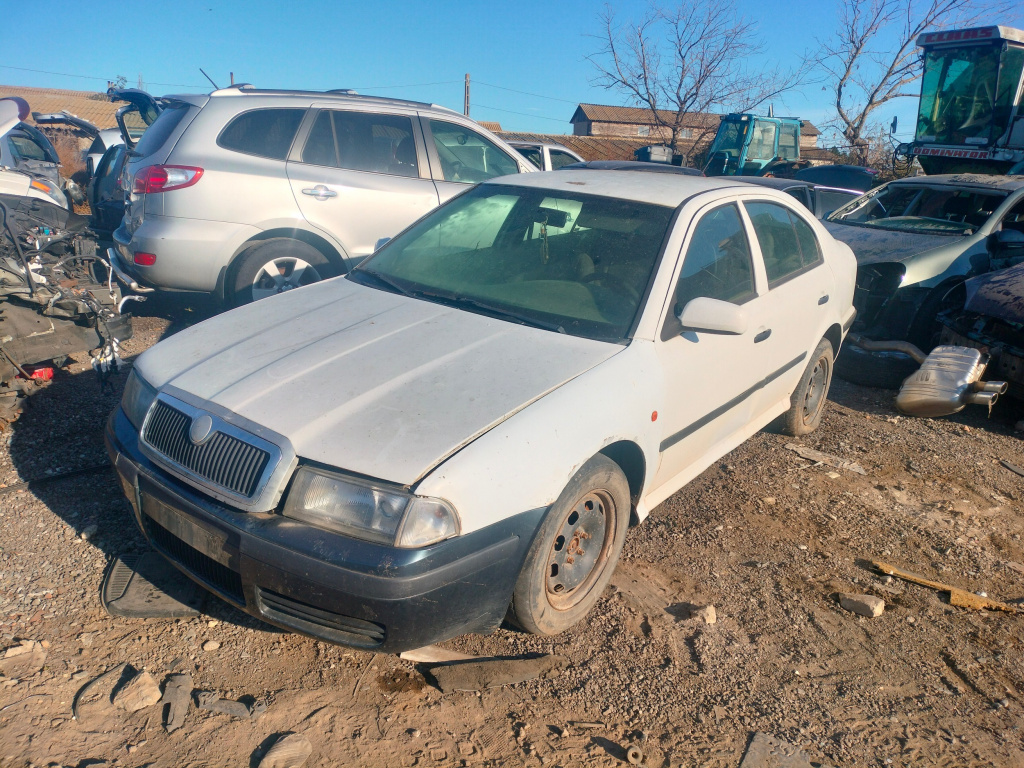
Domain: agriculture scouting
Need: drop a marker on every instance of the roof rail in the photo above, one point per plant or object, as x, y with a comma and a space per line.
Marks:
235, 89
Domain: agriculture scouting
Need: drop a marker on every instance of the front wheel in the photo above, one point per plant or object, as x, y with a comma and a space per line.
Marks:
278, 266
575, 551
808, 400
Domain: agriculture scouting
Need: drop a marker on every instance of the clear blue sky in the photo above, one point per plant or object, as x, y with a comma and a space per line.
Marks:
415, 50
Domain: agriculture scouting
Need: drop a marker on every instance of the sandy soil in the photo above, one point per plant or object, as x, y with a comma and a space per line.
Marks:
766, 537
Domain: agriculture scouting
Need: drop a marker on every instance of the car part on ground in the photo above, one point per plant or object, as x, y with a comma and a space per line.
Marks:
948, 381
487, 402
329, 171
990, 317
544, 155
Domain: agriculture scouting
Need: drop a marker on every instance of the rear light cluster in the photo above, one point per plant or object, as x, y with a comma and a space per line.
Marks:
164, 178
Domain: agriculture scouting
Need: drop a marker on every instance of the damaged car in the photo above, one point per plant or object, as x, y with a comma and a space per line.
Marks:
916, 239
56, 297
989, 316
466, 425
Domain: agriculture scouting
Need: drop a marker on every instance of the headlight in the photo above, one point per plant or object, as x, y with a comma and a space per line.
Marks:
137, 398
51, 190
366, 511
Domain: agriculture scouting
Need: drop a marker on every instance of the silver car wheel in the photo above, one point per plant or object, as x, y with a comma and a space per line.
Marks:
283, 274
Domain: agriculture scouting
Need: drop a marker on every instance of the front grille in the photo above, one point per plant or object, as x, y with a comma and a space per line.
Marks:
222, 459
309, 618
219, 577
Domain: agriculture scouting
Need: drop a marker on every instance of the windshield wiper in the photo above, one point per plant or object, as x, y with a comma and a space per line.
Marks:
500, 312
385, 281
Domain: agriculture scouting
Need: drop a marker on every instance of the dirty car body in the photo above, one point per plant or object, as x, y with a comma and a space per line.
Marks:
917, 238
991, 318
376, 459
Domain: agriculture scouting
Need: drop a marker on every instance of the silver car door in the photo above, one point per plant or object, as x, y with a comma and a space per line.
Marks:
361, 176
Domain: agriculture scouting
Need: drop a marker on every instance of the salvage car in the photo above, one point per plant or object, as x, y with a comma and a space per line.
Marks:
466, 424
915, 239
245, 193
818, 198
989, 315
55, 294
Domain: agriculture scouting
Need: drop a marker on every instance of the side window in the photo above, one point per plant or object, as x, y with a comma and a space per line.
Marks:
26, 148
533, 155
359, 141
321, 148
788, 244
717, 263
1014, 218
560, 159
261, 132
467, 156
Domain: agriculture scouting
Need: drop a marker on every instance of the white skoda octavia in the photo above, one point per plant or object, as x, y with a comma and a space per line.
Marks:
465, 426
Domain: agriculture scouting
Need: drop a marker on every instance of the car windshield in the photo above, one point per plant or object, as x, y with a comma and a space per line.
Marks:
939, 210
571, 263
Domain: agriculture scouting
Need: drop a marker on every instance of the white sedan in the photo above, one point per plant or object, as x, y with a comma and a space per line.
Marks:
467, 424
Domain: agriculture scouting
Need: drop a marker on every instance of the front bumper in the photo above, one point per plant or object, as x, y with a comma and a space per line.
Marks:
319, 583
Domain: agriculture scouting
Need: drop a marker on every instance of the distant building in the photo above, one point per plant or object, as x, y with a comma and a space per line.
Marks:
637, 123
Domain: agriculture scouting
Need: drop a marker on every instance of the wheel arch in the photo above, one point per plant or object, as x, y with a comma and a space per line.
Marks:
631, 460
333, 254
834, 336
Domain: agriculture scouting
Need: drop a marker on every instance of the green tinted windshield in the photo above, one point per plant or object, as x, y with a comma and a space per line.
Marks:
565, 261
933, 209
730, 137
960, 100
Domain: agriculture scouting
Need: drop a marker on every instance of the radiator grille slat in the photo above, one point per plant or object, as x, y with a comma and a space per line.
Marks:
222, 459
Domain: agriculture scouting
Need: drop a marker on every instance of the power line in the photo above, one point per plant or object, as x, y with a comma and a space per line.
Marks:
524, 114
524, 93
411, 85
93, 77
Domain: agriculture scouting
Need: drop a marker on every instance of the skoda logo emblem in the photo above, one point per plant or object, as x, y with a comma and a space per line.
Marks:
201, 428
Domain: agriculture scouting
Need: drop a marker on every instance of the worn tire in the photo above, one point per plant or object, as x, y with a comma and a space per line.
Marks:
884, 370
808, 400
287, 253
549, 597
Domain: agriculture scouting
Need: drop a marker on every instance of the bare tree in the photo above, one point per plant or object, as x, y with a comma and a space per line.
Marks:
686, 61
872, 57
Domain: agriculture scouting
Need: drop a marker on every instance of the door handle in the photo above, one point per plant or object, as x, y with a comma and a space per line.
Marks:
823, 300
320, 192
763, 335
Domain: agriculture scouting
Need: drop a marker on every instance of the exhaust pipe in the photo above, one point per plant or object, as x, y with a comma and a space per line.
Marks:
948, 380
888, 346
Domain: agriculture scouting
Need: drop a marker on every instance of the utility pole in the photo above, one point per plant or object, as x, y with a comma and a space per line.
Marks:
232, 78
465, 109
140, 82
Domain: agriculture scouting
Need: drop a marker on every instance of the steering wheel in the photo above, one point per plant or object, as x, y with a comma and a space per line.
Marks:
617, 286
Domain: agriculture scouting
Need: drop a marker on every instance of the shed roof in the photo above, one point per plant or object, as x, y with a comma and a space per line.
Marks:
94, 107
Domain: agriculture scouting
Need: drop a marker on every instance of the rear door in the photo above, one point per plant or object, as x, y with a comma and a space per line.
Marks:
460, 156
799, 298
361, 175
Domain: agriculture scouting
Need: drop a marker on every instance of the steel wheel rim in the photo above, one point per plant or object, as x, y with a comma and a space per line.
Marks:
282, 274
814, 397
580, 550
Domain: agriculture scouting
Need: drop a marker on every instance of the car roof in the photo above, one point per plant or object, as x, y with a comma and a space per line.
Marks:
980, 180
667, 189
341, 95
773, 182
632, 165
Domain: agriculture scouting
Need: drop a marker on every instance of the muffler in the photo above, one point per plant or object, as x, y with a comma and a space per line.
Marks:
948, 381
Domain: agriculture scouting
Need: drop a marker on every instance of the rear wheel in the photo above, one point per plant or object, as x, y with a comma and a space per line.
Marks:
278, 266
575, 551
808, 400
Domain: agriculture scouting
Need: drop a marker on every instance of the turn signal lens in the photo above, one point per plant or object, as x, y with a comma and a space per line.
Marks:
144, 259
165, 178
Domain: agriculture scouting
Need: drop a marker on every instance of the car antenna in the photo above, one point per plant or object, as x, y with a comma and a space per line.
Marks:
215, 86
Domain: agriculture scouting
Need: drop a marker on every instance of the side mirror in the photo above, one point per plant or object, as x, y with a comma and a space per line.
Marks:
704, 314
1004, 240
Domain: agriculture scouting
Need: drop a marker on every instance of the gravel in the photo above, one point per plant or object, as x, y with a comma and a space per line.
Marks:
764, 538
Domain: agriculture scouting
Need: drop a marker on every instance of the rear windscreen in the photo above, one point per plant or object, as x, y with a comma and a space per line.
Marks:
158, 133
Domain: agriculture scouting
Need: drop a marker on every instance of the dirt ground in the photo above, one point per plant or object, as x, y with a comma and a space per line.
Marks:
765, 536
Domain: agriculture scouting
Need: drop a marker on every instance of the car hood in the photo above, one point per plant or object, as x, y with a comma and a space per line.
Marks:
374, 383
873, 246
998, 294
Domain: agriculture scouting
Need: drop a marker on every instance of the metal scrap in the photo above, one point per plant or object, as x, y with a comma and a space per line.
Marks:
958, 597
824, 458
1012, 467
